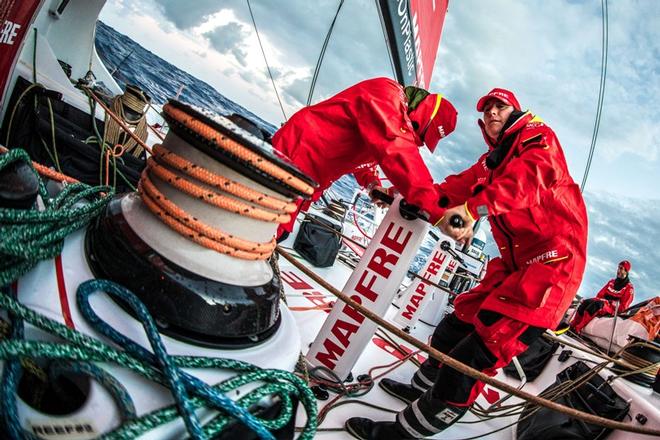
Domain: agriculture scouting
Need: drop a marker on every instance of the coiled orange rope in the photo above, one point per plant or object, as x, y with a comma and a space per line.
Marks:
163, 155
245, 201
197, 231
229, 145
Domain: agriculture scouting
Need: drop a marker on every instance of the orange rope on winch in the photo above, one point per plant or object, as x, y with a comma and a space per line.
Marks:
232, 196
211, 197
200, 233
236, 149
220, 182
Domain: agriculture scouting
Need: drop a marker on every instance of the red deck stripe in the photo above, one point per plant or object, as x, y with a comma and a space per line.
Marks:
61, 287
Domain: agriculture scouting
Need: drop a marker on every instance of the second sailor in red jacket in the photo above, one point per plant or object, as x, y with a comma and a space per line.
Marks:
375, 122
618, 290
539, 222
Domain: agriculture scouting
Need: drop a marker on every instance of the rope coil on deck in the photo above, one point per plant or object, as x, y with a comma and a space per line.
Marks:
29, 236
189, 392
135, 100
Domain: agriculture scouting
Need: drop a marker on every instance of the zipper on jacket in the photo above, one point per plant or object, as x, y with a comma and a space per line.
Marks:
501, 227
496, 222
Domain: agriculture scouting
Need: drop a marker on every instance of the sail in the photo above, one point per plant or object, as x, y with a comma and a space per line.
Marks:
15, 19
413, 29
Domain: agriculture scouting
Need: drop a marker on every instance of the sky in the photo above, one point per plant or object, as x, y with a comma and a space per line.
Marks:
547, 52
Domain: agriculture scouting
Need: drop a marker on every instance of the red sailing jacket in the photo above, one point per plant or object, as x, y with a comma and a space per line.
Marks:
352, 132
609, 295
538, 220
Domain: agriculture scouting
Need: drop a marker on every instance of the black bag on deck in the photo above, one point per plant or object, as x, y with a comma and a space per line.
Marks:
316, 242
595, 397
534, 359
34, 125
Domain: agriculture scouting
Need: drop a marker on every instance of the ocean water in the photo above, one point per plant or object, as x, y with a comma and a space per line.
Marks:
131, 63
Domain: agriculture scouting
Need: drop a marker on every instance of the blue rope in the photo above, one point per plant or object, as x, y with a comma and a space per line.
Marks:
171, 373
179, 380
10, 375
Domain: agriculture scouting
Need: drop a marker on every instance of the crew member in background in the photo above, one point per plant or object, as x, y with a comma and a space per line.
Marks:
375, 122
617, 290
539, 222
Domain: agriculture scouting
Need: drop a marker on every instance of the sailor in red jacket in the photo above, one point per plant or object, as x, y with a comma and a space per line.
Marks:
618, 290
539, 222
375, 122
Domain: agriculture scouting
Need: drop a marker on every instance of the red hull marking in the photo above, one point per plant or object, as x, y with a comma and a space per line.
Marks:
61, 288
490, 395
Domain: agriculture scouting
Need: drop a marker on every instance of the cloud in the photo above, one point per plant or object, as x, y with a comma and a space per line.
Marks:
186, 15
622, 229
297, 91
230, 39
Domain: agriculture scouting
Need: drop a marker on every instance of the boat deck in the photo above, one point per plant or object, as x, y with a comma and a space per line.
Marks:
303, 295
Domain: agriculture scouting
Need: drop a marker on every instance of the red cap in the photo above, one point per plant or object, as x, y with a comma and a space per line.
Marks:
503, 95
626, 265
436, 118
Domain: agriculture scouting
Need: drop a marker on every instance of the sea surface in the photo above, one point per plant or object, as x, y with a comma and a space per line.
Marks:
130, 63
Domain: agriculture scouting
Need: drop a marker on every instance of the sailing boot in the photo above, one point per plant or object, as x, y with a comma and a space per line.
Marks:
423, 379
404, 392
367, 429
427, 416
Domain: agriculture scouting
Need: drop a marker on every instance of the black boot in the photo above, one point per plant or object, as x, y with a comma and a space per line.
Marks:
367, 429
404, 392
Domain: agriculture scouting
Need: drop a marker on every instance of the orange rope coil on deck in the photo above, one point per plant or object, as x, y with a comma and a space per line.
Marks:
224, 142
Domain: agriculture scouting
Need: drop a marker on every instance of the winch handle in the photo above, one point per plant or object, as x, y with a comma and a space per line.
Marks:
446, 246
456, 221
408, 211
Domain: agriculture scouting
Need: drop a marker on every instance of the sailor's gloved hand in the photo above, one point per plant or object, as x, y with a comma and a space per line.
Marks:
461, 233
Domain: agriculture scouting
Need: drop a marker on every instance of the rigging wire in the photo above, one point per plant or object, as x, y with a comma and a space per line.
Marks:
317, 69
254, 23
601, 92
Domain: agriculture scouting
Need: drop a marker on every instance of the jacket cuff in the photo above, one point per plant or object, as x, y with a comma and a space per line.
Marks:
476, 206
436, 216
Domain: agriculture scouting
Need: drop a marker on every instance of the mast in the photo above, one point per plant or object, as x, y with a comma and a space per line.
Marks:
412, 30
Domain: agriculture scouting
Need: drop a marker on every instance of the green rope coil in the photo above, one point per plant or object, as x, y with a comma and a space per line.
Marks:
79, 347
29, 236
